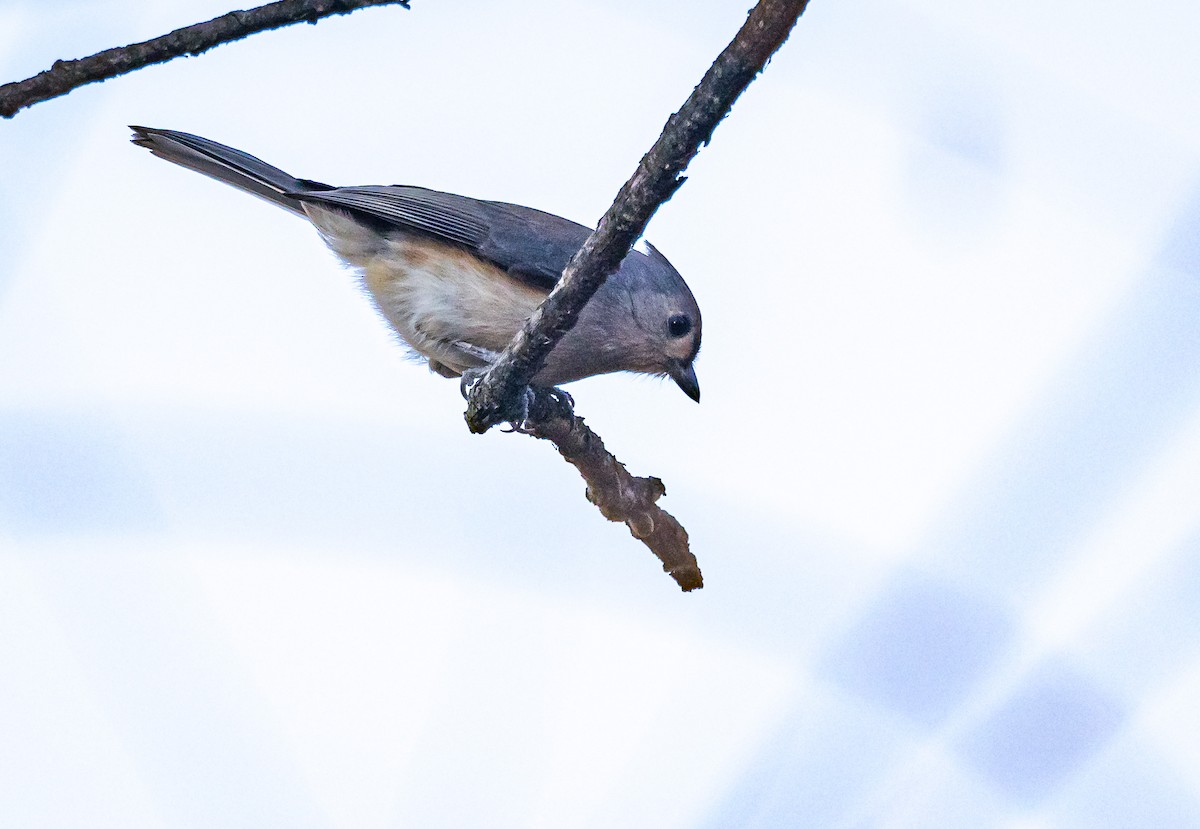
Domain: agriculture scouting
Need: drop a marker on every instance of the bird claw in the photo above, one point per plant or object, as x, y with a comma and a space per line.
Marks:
560, 404
469, 378
565, 395
518, 417
517, 423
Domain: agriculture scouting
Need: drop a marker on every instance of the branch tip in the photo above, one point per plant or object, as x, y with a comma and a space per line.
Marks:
64, 76
619, 495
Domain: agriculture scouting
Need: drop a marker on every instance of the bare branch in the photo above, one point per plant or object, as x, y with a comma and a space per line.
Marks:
495, 398
503, 392
66, 75
619, 495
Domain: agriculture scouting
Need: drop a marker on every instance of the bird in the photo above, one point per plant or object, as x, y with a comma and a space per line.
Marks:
457, 277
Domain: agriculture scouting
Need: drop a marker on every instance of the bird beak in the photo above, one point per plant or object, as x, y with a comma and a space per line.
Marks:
685, 377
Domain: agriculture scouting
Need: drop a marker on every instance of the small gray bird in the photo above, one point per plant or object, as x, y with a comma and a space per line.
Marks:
457, 277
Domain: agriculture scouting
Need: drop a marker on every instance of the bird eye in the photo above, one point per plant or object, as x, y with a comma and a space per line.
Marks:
679, 325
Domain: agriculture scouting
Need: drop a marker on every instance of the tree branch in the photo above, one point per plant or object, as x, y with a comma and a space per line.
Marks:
503, 392
495, 398
619, 495
66, 75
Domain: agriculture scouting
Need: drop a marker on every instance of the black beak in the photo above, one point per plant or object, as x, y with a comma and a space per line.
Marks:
685, 377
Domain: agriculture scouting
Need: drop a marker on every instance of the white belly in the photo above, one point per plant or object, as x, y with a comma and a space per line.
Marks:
446, 304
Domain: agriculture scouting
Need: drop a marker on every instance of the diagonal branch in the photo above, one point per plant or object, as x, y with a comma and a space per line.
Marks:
503, 392
66, 75
619, 495
494, 399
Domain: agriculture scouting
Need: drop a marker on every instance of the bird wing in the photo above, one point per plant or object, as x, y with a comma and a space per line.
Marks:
441, 215
531, 245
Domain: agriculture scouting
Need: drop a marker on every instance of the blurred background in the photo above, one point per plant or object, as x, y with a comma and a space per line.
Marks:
944, 485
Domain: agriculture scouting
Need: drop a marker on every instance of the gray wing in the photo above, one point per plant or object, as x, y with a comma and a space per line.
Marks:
531, 245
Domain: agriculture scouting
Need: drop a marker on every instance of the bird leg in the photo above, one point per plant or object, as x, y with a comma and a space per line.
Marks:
520, 414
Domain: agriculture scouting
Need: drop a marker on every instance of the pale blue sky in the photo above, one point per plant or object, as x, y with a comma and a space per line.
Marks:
944, 484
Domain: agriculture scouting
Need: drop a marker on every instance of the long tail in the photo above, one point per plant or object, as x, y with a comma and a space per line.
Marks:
226, 164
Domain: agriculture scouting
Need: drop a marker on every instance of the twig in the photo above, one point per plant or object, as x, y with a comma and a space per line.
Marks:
66, 75
498, 395
619, 495
495, 398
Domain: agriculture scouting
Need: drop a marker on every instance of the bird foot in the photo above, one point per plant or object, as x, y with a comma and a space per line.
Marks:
520, 416
520, 413
469, 378
562, 394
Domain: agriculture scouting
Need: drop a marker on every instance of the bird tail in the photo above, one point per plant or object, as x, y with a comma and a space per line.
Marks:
226, 164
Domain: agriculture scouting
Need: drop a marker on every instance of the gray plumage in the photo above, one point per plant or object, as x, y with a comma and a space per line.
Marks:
456, 277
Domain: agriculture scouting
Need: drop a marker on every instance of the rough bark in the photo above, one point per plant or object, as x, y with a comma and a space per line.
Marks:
66, 75
503, 392
496, 397
619, 496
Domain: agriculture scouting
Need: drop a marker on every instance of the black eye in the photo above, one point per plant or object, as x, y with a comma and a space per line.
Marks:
679, 325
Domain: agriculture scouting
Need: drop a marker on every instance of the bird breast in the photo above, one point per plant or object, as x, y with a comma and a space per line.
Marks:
450, 306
